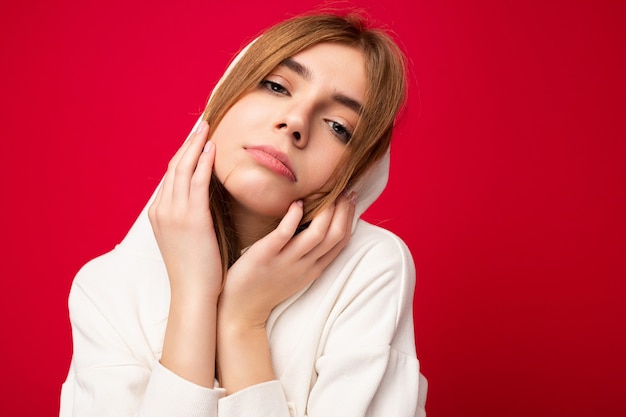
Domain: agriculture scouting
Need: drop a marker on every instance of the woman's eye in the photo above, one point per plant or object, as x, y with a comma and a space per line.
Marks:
274, 87
340, 131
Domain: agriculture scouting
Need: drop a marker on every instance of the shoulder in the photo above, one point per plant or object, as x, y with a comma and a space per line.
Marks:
375, 268
370, 288
381, 250
124, 292
383, 238
118, 277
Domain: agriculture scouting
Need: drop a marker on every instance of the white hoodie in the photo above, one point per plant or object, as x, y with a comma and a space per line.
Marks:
343, 347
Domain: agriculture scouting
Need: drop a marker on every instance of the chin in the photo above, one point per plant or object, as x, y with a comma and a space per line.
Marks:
265, 200
268, 211
263, 207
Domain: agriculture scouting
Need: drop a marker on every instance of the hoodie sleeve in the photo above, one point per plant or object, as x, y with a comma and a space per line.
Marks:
111, 374
367, 365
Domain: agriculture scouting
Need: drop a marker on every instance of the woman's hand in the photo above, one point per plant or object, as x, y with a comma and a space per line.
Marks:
273, 269
279, 265
183, 227
181, 219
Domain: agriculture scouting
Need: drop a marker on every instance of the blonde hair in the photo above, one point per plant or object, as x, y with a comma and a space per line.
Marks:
385, 96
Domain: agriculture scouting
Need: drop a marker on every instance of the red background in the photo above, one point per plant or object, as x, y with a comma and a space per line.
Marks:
507, 181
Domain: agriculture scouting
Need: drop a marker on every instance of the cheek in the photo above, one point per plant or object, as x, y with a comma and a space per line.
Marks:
247, 112
223, 152
243, 115
322, 174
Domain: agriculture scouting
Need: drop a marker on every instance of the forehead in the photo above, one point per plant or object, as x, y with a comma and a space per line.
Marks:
337, 66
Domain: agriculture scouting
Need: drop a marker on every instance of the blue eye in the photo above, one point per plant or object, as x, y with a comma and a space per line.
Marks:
274, 87
340, 131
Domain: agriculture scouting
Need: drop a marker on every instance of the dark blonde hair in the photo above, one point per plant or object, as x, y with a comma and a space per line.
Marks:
385, 96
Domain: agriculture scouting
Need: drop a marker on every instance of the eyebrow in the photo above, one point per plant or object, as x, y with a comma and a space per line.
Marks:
350, 103
304, 72
298, 68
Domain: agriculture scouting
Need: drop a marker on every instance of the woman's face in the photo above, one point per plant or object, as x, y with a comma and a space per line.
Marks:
283, 140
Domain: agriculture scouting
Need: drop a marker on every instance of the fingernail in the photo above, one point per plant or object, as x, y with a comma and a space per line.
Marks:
300, 203
207, 146
201, 127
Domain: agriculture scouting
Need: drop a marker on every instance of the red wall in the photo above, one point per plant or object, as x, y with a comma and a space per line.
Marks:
507, 181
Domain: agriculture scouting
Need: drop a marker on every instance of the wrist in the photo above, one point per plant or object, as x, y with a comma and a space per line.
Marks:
243, 355
190, 338
188, 304
195, 293
238, 325
240, 316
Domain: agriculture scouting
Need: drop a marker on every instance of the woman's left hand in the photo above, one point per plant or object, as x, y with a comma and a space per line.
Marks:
281, 264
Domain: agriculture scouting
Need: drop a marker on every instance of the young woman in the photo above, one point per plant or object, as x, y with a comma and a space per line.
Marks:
247, 287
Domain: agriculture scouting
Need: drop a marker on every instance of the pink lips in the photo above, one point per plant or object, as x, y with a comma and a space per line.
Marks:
273, 159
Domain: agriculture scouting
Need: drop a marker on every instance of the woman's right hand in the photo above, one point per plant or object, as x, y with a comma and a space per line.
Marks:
181, 219
183, 227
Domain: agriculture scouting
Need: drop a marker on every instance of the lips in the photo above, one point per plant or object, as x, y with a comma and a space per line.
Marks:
273, 159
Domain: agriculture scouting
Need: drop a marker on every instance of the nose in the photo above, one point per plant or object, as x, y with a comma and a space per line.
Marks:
293, 123
297, 136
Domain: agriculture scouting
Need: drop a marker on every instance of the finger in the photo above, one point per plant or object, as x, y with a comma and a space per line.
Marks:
155, 203
339, 230
321, 263
183, 148
325, 252
310, 238
187, 163
199, 193
167, 185
276, 240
